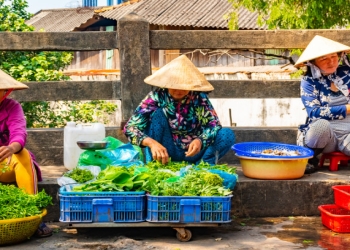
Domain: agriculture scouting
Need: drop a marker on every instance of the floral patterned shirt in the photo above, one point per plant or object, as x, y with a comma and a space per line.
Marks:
315, 95
192, 117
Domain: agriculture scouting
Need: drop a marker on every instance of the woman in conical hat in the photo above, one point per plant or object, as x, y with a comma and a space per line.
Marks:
176, 120
325, 95
17, 164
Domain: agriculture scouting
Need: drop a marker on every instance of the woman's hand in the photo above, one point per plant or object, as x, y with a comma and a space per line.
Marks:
194, 148
159, 152
8, 151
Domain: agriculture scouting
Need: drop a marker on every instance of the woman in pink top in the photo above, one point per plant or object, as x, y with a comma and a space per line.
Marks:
17, 164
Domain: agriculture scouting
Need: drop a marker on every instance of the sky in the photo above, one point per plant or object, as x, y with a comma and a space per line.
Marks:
37, 5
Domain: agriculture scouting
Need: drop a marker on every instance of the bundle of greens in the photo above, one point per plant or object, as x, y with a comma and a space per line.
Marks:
172, 166
15, 203
163, 180
222, 167
4, 167
115, 179
80, 175
194, 183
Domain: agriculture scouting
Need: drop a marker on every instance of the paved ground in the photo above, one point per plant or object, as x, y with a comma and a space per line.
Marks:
244, 234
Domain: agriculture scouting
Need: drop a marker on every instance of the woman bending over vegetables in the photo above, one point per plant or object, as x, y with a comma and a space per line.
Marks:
177, 120
17, 164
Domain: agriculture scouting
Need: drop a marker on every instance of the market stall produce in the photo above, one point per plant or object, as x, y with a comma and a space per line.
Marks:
176, 195
20, 213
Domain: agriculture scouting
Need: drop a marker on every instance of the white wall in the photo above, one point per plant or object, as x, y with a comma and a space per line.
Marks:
260, 112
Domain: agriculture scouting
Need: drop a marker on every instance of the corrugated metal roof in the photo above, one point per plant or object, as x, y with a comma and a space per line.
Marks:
60, 20
194, 13
120, 10
215, 16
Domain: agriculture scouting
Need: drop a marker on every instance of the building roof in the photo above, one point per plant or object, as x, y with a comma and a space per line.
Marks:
194, 13
60, 20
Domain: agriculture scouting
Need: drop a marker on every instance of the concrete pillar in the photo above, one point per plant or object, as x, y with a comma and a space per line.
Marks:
135, 61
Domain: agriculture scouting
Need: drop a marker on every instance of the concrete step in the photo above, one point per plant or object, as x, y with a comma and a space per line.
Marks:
251, 197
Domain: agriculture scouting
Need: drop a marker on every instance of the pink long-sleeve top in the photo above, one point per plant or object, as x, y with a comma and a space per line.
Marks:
13, 126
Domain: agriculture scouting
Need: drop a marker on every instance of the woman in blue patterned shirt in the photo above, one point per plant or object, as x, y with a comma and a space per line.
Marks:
324, 91
176, 121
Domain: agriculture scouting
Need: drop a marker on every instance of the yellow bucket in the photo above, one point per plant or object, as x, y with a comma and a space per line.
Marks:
17, 230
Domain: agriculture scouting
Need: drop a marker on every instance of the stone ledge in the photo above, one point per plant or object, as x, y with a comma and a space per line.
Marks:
252, 198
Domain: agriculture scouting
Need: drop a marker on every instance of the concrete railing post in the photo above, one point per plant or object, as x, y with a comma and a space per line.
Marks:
135, 61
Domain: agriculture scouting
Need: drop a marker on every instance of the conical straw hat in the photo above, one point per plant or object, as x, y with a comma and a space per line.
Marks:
7, 82
320, 46
180, 73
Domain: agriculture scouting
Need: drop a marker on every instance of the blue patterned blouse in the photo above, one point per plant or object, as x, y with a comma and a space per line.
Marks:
315, 95
193, 117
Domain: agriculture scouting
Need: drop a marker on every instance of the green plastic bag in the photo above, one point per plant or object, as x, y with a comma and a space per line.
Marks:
116, 153
140, 152
113, 142
93, 158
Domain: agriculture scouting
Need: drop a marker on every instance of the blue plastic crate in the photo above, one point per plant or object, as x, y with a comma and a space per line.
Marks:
189, 209
101, 206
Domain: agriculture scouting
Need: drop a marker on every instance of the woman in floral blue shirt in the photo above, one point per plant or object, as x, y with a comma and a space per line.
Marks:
177, 121
325, 95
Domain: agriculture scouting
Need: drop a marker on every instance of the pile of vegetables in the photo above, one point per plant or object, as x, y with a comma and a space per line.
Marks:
115, 179
80, 175
194, 183
173, 179
15, 203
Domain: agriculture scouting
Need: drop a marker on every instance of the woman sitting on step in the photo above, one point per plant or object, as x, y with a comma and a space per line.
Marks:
325, 95
17, 163
176, 120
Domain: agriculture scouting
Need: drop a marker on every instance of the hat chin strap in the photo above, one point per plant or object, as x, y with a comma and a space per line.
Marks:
315, 71
8, 92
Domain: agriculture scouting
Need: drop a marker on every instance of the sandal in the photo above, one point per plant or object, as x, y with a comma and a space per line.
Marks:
312, 165
310, 169
43, 231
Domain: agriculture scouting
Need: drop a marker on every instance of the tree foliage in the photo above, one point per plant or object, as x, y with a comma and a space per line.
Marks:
28, 65
296, 14
43, 66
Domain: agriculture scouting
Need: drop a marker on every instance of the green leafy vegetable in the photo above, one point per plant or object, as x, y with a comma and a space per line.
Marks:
15, 203
80, 175
194, 183
4, 167
115, 179
223, 167
162, 180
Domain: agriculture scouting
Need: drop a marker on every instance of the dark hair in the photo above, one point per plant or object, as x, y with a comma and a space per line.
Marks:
308, 71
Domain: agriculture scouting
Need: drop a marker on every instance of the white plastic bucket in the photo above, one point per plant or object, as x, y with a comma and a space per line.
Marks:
79, 132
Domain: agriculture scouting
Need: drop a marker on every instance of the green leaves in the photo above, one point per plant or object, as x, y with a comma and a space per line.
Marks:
39, 66
296, 14
4, 167
15, 203
197, 181
162, 180
116, 179
57, 114
80, 175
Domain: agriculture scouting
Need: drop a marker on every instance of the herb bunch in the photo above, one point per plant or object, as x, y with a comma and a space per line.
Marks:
80, 175
15, 203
